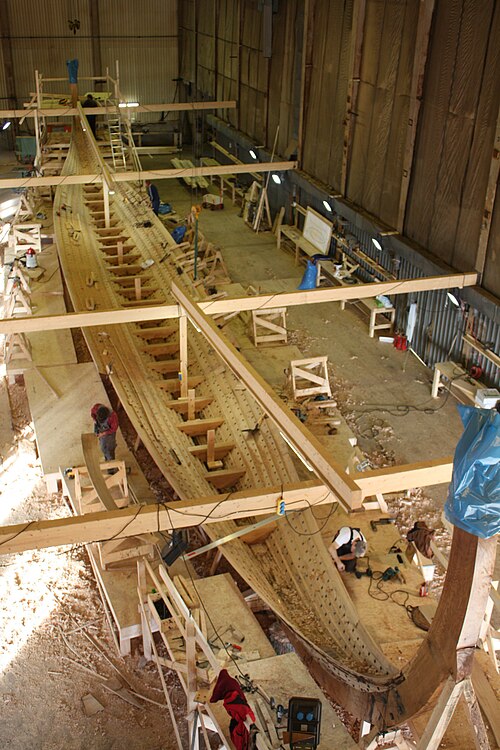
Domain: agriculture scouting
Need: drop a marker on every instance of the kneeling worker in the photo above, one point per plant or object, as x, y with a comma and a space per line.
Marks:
347, 545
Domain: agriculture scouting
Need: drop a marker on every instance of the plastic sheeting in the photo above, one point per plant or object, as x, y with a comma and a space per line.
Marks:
309, 277
473, 502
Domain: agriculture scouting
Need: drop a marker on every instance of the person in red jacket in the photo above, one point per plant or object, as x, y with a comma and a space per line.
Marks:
242, 727
105, 427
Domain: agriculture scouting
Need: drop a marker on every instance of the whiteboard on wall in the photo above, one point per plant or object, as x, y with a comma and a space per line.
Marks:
317, 230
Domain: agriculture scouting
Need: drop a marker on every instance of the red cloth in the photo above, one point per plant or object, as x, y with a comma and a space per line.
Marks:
112, 420
228, 689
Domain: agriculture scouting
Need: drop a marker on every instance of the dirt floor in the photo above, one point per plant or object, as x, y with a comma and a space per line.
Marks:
56, 647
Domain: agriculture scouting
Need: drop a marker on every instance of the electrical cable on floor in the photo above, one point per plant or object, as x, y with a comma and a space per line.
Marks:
402, 410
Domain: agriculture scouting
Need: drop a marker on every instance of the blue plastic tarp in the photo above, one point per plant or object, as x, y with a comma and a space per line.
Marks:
72, 66
309, 277
473, 502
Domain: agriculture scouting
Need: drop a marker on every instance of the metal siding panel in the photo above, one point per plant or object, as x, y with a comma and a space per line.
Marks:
150, 18
50, 60
31, 20
147, 81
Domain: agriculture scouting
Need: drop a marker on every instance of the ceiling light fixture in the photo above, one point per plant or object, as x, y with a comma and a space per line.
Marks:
6, 125
276, 178
377, 244
327, 206
124, 105
453, 299
252, 153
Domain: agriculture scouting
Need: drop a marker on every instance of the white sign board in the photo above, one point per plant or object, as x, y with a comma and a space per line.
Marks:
318, 231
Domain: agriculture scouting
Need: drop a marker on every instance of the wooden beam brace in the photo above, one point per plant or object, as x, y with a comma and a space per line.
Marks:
236, 304
159, 174
441, 716
331, 473
134, 520
489, 202
399, 478
142, 519
355, 51
72, 111
425, 12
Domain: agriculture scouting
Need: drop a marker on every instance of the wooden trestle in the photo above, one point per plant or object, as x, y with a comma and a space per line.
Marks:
192, 426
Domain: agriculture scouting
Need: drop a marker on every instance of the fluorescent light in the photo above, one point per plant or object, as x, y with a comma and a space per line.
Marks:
124, 105
327, 206
111, 192
276, 179
6, 125
297, 453
453, 299
252, 154
377, 244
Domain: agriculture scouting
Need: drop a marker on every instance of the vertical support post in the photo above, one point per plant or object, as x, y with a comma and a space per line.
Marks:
191, 403
210, 446
441, 716
105, 192
358, 22
305, 75
475, 717
489, 202
117, 81
183, 355
138, 288
426, 9
141, 591
191, 683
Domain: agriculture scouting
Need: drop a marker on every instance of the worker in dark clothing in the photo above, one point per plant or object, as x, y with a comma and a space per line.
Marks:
347, 545
154, 196
92, 119
105, 427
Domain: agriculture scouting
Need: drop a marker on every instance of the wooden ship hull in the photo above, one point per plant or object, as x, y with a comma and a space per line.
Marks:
292, 572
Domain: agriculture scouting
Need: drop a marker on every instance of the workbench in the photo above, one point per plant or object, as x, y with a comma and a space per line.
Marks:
456, 380
227, 181
295, 237
381, 318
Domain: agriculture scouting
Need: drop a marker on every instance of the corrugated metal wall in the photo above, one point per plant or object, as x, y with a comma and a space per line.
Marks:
141, 36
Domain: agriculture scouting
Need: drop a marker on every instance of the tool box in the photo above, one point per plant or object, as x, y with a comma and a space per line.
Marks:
213, 202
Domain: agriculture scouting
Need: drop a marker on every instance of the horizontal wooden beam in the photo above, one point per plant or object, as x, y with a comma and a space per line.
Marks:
162, 174
308, 445
235, 304
406, 477
157, 174
338, 294
141, 519
95, 527
72, 111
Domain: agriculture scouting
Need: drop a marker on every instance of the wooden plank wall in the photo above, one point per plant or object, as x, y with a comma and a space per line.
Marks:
455, 138
324, 116
375, 167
